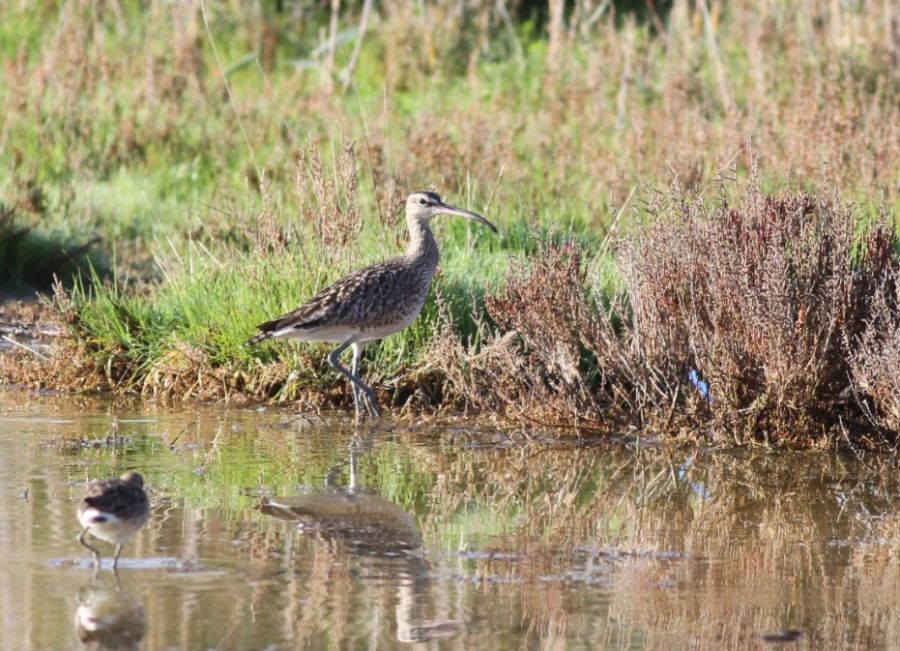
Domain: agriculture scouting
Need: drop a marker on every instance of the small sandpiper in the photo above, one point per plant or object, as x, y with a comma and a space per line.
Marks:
113, 510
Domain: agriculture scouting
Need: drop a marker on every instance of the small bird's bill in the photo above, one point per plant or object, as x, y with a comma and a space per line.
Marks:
459, 212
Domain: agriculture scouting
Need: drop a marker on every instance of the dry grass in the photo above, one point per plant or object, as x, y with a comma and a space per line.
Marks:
875, 364
569, 125
775, 303
784, 306
548, 126
330, 202
761, 299
571, 356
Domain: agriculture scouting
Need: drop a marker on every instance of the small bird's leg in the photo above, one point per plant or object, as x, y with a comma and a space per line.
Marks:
335, 360
94, 552
116, 557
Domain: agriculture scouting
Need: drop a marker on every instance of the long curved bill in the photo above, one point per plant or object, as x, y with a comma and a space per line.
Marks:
459, 212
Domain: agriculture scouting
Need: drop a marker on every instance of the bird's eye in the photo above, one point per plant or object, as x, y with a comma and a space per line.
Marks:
423, 201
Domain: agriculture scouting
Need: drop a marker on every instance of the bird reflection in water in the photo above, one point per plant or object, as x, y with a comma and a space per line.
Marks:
108, 618
357, 523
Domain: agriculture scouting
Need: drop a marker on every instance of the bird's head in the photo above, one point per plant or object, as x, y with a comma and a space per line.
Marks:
425, 206
132, 478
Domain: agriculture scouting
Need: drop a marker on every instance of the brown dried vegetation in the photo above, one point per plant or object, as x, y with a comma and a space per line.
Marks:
329, 202
751, 322
875, 363
764, 300
785, 305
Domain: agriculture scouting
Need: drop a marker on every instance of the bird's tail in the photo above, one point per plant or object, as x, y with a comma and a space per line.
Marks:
266, 331
257, 338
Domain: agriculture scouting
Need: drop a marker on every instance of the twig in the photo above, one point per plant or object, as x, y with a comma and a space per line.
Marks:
657, 21
23, 346
234, 108
556, 35
612, 227
714, 54
494, 189
284, 122
332, 44
598, 13
507, 22
365, 137
347, 72
171, 444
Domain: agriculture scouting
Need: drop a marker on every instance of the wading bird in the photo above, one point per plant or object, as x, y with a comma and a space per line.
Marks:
113, 510
374, 302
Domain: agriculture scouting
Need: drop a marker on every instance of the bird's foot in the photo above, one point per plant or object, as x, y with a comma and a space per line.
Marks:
371, 403
372, 410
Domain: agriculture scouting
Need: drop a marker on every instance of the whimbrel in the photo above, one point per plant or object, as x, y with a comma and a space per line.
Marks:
374, 302
113, 510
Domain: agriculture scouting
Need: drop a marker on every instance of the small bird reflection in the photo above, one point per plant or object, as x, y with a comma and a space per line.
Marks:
354, 522
108, 618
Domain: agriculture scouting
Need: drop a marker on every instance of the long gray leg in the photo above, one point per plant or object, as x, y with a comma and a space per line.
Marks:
94, 552
358, 394
335, 360
116, 557
371, 401
357, 349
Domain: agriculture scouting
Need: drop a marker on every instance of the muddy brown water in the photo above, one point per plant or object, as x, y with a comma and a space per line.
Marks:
272, 531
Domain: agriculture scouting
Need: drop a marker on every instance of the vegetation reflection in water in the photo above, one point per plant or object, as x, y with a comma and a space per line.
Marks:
270, 530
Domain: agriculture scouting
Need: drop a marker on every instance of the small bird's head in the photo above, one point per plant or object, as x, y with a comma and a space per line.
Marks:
425, 206
132, 478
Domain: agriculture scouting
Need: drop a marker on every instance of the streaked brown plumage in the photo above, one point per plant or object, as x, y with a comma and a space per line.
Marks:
113, 510
374, 302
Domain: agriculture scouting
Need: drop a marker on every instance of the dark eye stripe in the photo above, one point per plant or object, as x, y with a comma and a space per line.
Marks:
429, 199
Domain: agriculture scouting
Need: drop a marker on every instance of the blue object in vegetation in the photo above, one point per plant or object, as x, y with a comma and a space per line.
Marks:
701, 385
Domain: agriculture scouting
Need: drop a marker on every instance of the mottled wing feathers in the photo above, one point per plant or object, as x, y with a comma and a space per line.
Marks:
120, 498
372, 296
321, 308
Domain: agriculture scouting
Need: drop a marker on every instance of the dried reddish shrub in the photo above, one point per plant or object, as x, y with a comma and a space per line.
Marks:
764, 301
875, 363
761, 300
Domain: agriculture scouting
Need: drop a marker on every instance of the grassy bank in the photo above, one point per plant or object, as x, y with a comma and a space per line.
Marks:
234, 160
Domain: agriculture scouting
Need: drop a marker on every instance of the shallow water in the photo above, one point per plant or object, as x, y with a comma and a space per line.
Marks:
271, 531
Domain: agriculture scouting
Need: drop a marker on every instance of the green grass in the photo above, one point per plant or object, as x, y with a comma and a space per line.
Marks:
212, 296
122, 126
